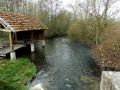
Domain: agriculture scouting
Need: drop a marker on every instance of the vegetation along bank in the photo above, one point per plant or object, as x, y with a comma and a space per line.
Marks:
14, 74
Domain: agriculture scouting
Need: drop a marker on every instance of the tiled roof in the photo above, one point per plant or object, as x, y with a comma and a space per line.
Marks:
21, 22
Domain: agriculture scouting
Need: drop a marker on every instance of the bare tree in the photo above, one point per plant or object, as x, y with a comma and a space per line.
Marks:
101, 11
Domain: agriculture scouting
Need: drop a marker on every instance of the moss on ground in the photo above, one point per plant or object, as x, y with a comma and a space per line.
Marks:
91, 83
15, 73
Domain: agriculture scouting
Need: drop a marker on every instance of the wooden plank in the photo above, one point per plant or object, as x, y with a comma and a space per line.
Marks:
39, 35
7, 50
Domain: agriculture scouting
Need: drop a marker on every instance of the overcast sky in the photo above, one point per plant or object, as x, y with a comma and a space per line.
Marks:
65, 2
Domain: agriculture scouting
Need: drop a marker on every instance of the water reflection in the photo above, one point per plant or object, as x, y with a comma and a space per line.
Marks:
38, 57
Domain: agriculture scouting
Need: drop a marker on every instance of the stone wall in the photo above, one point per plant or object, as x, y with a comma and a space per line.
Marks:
110, 80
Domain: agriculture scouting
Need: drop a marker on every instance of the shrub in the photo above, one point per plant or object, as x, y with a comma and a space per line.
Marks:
83, 31
107, 54
89, 30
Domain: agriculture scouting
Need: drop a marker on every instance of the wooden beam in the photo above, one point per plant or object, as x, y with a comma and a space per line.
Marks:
29, 30
3, 25
5, 30
11, 36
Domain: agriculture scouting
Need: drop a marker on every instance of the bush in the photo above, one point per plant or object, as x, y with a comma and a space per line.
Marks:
58, 24
15, 73
89, 30
83, 31
107, 54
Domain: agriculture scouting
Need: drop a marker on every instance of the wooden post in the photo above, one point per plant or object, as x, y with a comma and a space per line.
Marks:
32, 37
16, 37
12, 54
43, 41
0, 28
11, 36
32, 42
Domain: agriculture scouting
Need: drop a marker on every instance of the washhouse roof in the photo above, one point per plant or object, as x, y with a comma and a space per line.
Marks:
18, 22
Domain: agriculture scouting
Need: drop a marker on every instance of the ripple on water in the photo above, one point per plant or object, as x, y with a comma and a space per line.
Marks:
63, 65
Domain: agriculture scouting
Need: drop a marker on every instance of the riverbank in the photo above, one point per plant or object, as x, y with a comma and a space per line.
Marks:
107, 53
14, 74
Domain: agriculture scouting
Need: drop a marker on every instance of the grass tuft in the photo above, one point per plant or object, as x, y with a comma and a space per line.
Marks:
15, 73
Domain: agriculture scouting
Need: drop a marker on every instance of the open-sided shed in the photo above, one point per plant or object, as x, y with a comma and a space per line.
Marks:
21, 28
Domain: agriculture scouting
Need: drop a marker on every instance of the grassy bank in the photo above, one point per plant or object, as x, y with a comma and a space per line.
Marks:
15, 73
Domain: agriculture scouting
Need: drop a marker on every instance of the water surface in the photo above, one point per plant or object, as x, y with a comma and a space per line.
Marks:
64, 65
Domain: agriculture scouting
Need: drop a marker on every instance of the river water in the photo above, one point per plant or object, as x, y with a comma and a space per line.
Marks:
64, 65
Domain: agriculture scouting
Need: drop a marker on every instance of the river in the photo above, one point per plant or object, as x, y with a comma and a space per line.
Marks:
64, 65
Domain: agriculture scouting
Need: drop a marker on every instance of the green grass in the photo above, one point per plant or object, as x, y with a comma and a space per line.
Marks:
15, 73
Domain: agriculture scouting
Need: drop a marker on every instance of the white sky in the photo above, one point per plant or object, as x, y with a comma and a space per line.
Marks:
65, 2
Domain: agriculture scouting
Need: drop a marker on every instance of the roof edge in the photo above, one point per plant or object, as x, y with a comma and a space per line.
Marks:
7, 25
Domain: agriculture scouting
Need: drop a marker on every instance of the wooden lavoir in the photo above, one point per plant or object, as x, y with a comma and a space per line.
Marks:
20, 28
